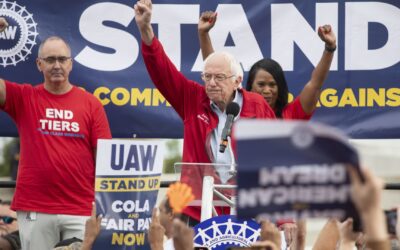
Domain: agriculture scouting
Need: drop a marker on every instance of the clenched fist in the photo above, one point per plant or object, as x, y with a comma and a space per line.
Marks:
3, 24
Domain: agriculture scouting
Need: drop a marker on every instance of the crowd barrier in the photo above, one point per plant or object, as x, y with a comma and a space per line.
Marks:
165, 184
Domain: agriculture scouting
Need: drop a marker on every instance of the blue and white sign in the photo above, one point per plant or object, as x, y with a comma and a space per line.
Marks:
224, 231
127, 183
293, 170
361, 95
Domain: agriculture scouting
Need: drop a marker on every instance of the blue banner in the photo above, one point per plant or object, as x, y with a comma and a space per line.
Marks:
127, 183
361, 95
293, 170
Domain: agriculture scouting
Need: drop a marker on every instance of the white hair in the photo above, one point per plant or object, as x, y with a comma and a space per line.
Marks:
236, 68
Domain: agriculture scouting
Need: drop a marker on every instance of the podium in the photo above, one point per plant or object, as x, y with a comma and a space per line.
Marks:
212, 184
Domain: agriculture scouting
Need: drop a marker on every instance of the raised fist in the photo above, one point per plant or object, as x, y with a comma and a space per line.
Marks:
3, 24
207, 21
327, 35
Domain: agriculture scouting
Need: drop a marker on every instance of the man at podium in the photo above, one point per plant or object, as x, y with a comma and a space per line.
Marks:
201, 107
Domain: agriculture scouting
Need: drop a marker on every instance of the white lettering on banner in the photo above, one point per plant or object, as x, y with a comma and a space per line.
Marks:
169, 18
125, 224
8, 33
303, 214
302, 174
232, 20
124, 46
290, 27
358, 56
282, 195
143, 224
118, 224
306, 183
130, 206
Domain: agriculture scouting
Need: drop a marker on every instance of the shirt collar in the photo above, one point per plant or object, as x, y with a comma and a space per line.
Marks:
236, 99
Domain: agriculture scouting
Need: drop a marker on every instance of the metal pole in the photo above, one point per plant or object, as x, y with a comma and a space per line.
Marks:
207, 198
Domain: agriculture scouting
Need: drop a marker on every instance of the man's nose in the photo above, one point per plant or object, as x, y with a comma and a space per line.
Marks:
212, 82
57, 64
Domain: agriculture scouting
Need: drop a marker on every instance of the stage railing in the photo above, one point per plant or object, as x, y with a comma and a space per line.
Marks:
165, 184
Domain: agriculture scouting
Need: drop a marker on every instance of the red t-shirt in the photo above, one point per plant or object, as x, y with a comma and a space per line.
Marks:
58, 136
294, 111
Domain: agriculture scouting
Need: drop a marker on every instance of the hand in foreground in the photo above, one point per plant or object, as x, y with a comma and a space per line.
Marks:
365, 195
156, 231
270, 232
348, 238
92, 229
290, 231
182, 235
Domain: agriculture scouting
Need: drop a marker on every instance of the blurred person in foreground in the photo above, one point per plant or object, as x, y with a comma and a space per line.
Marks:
367, 196
9, 234
179, 235
92, 230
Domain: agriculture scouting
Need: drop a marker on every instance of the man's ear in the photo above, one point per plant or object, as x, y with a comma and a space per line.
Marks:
238, 82
38, 64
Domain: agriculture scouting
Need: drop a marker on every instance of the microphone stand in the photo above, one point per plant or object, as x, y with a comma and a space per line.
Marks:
232, 170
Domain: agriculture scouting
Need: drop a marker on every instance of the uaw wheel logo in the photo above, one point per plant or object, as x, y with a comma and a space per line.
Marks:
226, 231
303, 136
18, 39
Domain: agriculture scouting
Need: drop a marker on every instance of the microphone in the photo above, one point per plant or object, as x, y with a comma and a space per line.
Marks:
232, 110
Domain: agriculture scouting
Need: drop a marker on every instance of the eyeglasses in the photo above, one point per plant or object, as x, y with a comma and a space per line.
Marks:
7, 219
217, 77
54, 59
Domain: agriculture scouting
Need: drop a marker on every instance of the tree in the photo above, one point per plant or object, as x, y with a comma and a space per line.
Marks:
174, 154
5, 166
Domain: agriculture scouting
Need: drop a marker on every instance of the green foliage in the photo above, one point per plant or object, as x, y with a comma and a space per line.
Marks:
5, 167
173, 147
174, 155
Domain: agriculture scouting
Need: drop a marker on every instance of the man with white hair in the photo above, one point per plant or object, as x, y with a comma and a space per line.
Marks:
202, 108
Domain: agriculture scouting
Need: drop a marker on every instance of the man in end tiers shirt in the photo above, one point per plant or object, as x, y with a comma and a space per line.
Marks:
59, 125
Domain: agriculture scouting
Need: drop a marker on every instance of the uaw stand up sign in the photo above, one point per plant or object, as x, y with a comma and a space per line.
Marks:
127, 181
293, 170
